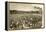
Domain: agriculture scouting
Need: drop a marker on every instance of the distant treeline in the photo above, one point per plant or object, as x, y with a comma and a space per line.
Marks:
20, 12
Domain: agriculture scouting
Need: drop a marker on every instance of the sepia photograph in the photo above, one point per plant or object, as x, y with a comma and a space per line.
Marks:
24, 15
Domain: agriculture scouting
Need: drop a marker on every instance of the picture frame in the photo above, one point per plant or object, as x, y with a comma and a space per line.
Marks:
24, 12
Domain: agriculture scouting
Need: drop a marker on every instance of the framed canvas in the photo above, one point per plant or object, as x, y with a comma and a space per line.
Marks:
24, 15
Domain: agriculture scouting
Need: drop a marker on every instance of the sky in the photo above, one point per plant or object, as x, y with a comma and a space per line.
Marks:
24, 7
